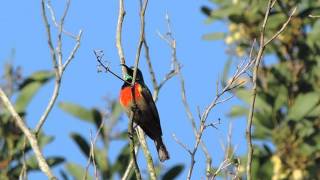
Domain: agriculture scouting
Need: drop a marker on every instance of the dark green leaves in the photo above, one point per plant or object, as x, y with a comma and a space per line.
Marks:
89, 115
77, 171
82, 143
173, 172
29, 88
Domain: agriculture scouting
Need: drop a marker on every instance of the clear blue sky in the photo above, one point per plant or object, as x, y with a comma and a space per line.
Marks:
22, 29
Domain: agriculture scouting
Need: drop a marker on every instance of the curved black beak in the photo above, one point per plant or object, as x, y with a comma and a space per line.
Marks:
124, 65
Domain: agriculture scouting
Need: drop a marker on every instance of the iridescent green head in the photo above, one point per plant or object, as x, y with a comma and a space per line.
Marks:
129, 74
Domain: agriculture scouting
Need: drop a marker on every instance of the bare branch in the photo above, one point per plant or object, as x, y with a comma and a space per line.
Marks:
91, 157
128, 171
51, 47
73, 52
282, 28
56, 56
262, 45
99, 55
53, 18
119, 34
148, 59
31, 138
147, 154
184, 146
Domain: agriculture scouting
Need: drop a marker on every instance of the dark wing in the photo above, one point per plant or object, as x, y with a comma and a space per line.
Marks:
152, 107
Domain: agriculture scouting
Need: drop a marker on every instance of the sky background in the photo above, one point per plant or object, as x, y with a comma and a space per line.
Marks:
203, 61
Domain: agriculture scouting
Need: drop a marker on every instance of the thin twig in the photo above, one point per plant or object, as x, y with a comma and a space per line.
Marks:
148, 59
53, 18
92, 148
127, 173
73, 52
184, 146
56, 56
282, 28
147, 154
31, 138
119, 34
242, 68
314, 16
262, 45
99, 55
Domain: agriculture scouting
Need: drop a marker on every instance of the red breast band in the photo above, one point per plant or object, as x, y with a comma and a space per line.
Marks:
126, 95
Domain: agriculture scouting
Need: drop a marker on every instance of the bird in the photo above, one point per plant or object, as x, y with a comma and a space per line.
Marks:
145, 111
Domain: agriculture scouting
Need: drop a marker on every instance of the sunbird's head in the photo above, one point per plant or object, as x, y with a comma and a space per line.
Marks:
129, 74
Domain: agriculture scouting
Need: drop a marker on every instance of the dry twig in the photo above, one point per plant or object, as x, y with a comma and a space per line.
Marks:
262, 45
56, 55
232, 84
91, 157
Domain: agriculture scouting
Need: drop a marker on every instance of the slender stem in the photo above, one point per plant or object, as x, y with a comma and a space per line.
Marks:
58, 66
119, 34
127, 173
254, 93
262, 45
50, 105
147, 154
132, 148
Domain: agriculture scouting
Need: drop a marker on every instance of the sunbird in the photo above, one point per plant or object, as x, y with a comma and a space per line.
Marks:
145, 112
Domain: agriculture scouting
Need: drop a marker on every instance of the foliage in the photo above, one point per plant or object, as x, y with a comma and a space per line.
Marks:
287, 113
14, 148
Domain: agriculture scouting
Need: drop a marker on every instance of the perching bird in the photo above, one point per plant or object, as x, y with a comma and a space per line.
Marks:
146, 113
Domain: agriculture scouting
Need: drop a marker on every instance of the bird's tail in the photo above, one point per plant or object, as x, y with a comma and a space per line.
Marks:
162, 150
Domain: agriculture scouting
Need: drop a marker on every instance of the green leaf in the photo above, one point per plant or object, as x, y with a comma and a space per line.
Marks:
213, 36
224, 12
172, 173
303, 105
30, 87
53, 161
44, 139
281, 98
63, 175
237, 111
315, 112
32, 162
116, 110
39, 76
276, 20
79, 111
101, 159
122, 160
77, 171
261, 104
97, 117
225, 75
82, 143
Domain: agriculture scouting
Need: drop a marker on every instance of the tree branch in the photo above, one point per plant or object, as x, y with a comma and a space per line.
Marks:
56, 56
119, 34
232, 84
262, 45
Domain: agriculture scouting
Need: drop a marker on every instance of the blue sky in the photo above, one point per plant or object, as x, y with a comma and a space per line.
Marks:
22, 29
